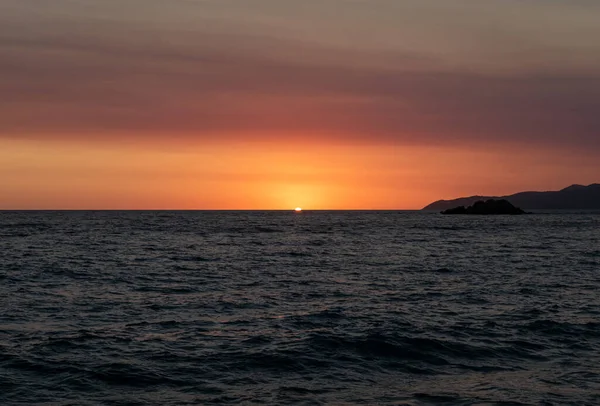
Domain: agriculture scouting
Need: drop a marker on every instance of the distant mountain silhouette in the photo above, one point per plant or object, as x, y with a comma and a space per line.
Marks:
574, 197
490, 206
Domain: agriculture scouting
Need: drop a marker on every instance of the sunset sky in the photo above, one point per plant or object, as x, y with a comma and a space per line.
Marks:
273, 104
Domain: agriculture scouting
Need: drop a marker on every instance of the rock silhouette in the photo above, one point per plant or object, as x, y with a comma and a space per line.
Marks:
490, 206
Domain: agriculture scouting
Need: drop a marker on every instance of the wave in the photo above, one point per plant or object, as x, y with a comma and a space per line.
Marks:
556, 328
423, 349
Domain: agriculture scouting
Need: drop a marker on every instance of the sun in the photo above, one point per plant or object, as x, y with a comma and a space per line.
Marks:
298, 209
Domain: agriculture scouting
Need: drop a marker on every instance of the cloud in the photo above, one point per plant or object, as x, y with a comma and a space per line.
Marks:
102, 81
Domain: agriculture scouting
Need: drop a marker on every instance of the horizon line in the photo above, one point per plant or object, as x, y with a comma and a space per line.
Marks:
196, 210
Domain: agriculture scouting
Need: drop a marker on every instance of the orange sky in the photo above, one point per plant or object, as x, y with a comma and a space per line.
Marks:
268, 104
64, 175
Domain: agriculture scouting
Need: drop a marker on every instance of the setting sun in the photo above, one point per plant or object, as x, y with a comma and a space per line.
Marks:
298, 209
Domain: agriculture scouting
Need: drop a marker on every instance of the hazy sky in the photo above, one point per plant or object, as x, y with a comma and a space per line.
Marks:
276, 103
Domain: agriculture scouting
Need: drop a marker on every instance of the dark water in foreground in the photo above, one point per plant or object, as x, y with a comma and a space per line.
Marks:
317, 308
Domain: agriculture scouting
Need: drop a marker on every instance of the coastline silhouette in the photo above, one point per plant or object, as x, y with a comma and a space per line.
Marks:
574, 197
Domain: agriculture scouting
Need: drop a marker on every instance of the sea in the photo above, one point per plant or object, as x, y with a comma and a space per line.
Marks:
311, 308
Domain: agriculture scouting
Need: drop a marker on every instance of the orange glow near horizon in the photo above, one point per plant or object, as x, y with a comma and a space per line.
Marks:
53, 175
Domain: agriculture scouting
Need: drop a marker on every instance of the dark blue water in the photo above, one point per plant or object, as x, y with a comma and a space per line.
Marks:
174, 308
